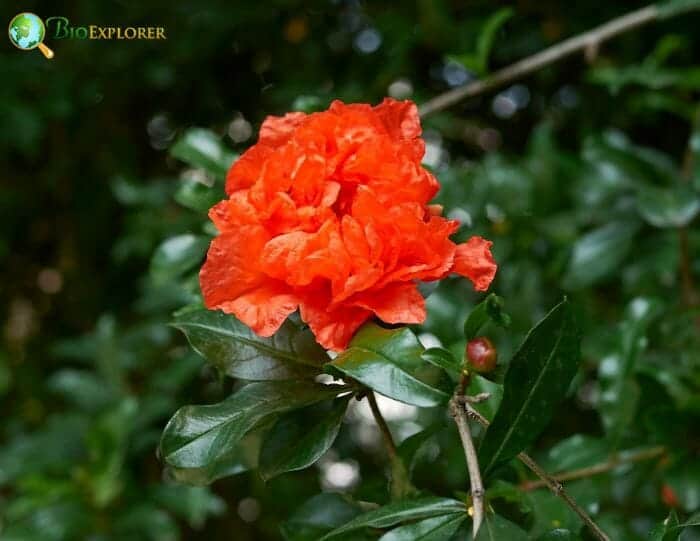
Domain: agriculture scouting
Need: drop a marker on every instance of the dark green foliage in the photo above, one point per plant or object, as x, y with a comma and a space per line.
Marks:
588, 183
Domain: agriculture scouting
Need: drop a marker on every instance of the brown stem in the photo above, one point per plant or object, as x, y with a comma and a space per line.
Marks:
589, 40
555, 486
476, 485
383, 427
603, 467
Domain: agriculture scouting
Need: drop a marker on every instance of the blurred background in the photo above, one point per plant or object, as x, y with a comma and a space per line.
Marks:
583, 174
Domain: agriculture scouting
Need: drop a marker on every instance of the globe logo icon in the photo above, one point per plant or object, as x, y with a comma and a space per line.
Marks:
27, 32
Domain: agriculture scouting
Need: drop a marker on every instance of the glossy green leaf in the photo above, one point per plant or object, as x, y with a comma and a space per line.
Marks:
443, 358
431, 529
389, 361
177, 255
410, 447
197, 195
599, 252
291, 353
560, 534
398, 512
203, 149
537, 380
299, 438
577, 451
319, 515
668, 207
479, 384
495, 528
490, 309
241, 457
199, 437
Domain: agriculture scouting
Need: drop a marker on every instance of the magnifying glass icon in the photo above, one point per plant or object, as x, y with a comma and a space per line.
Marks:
27, 32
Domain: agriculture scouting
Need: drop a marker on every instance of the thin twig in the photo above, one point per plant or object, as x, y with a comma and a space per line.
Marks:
383, 427
589, 40
619, 459
476, 485
555, 486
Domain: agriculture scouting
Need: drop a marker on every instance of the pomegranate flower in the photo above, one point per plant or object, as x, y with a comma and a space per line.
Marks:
329, 214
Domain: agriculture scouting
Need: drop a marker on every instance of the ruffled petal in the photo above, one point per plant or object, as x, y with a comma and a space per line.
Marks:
264, 308
333, 329
473, 260
400, 118
245, 171
400, 302
232, 267
277, 130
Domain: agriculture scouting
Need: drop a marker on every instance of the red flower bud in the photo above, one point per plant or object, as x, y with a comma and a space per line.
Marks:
668, 496
481, 354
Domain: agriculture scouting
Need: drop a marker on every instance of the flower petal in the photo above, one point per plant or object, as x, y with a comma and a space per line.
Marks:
231, 267
277, 130
400, 118
264, 308
333, 329
473, 260
400, 302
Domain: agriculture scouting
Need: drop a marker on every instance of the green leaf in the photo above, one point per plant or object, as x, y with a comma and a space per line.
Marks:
201, 437
668, 530
577, 451
299, 438
488, 35
241, 457
389, 361
291, 353
671, 8
671, 528
537, 379
490, 309
560, 534
479, 384
197, 195
411, 446
319, 515
203, 149
443, 358
668, 207
478, 60
177, 255
495, 528
599, 253
398, 512
431, 529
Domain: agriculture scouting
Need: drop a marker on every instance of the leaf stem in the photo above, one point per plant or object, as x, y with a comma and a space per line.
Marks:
587, 41
555, 486
475, 482
596, 469
383, 427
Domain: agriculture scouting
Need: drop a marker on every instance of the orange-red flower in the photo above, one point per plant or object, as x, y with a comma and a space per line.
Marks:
328, 213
